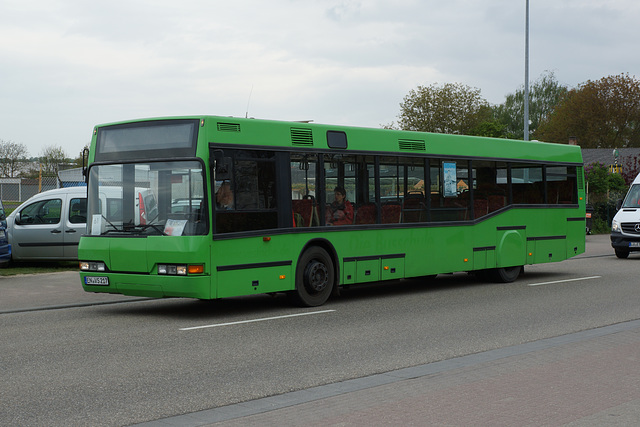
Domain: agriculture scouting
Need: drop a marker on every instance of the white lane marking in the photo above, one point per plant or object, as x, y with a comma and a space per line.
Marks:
255, 320
566, 280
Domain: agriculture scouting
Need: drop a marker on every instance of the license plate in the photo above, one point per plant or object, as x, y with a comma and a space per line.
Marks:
96, 280
634, 244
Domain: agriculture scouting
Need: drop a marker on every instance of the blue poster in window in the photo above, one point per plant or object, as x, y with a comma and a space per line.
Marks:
449, 179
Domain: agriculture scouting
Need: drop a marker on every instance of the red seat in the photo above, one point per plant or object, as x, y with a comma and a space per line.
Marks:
480, 207
391, 214
304, 208
496, 202
413, 208
366, 214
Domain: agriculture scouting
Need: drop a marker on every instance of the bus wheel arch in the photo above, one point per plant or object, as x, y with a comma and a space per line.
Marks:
316, 274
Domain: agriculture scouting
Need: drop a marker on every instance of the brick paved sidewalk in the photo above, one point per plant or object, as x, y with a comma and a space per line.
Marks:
590, 378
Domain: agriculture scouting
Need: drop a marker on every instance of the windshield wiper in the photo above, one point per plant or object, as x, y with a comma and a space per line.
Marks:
142, 227
155, 227
110, 223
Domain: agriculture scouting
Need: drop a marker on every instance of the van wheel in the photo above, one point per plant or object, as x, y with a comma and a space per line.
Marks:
622, 254
506, 274
314, 277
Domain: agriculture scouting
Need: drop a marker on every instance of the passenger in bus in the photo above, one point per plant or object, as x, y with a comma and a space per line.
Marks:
340, 212
224, 196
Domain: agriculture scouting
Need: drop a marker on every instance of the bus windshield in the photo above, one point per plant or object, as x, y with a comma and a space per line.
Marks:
154, 198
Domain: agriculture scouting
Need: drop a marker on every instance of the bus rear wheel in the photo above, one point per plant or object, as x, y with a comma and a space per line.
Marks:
506, 274
314, 277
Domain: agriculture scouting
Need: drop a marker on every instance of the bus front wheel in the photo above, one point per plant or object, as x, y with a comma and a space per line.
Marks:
314, 277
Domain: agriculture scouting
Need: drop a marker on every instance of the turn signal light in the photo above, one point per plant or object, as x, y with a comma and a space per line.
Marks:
196, 269
180, 269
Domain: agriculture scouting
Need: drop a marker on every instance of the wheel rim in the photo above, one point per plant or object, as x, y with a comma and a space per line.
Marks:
316, 276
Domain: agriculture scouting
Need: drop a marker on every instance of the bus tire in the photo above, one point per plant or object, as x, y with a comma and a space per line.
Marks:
315, 276
622, 254
506, 274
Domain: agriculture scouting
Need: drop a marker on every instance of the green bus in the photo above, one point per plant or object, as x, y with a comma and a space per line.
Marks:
212, 207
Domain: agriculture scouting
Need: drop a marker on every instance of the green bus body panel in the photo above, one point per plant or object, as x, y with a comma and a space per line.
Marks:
235, 266
132, 265
251, 265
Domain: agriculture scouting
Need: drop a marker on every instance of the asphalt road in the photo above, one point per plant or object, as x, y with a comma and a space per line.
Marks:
130, 360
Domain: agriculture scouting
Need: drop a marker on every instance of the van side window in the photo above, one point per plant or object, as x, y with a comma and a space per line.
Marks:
42, 212
78, 211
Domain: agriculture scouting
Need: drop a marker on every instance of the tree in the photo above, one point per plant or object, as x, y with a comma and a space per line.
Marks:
12, 154
451, 108
601, 181
602, 114
78, 161
492, 129
545, 93
50, 158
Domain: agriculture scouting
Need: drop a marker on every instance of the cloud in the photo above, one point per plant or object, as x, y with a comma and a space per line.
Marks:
72, 64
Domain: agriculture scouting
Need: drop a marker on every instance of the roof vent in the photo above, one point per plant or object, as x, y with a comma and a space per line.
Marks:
411, 145
228, 127
301, 136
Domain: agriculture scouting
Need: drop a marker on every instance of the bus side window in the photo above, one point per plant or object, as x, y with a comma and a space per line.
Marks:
304, 204
250, 199
528, 184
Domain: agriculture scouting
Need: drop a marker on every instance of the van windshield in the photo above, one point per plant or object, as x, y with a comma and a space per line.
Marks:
633, 197
155, 198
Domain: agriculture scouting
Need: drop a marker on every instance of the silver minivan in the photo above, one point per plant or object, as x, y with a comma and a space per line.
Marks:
48, 226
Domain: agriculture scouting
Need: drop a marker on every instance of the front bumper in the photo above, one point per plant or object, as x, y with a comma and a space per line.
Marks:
625, 242
153, 286
5, 254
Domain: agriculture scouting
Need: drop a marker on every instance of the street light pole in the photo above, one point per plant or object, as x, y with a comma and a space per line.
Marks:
526, 75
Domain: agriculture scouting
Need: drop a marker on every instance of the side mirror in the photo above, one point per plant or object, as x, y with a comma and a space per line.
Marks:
16, 219
618, 204
224, 169
85, 159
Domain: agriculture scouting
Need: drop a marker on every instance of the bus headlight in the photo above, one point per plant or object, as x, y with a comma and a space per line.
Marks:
615, 226
173, 269
92, 266
180, 269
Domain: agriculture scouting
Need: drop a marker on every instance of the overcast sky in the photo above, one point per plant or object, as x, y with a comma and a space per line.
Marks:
68, 65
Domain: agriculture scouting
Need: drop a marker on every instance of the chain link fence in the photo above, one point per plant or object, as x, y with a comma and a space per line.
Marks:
14, 191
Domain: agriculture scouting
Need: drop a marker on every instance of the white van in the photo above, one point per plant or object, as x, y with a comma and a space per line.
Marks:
625, 227
48, 226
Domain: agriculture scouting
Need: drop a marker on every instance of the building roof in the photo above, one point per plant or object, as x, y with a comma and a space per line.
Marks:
606, 157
